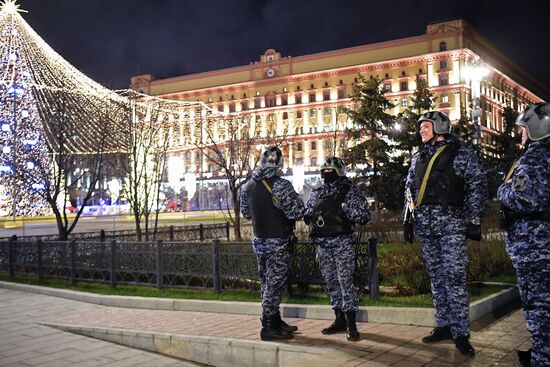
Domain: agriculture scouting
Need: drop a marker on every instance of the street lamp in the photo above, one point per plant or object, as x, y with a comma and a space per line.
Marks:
475, 72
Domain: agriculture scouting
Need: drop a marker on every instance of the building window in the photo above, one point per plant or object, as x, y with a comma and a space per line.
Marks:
404, 102
299, 114
326, 95
285, 115
443, 64
341, 110
327, 111
313, 145
312, 112
313, 161
443, 80
220, 107
284, 100
299, 147
232, 107
244, 106
312, 97
298, 98
404, 86
257, 103
270, 101
443, 46
387, 87
341, 93
444, 98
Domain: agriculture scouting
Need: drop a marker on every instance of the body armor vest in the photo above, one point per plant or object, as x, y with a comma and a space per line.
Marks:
267, 220
444, 186
327, 219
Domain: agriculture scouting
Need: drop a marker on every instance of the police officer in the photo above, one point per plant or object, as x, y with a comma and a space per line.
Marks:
273, 206
450, 192
525, 198
331, 212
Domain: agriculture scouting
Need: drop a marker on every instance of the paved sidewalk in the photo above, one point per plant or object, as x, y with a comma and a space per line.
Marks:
495, 340
25, 343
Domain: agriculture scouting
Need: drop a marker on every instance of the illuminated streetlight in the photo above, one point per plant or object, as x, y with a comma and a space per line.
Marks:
475, 72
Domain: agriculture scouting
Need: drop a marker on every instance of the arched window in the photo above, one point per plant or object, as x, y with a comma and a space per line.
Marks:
443, 46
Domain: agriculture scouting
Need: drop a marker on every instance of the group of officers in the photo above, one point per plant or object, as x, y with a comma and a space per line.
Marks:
446, 195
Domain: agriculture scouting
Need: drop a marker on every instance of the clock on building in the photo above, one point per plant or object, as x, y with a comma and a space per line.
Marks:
270, 73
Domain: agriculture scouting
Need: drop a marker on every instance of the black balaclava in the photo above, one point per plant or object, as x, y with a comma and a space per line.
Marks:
330, 176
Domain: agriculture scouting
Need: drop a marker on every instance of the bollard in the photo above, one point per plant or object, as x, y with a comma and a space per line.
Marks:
159, 263
216, 266
112, 275
171, 232
227, 234
374, 281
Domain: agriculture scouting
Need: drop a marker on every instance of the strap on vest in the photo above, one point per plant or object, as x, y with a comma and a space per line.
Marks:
275, 198
427, 175
511, 171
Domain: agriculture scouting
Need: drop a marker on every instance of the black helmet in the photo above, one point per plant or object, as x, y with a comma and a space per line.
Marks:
272, 157
440, 122
536, 119
336, 164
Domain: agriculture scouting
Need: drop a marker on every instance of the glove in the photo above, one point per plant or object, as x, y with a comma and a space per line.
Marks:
473, 232
408, 232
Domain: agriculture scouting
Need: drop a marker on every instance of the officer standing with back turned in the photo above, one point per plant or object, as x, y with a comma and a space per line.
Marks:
450, 192
273, 206
525, 200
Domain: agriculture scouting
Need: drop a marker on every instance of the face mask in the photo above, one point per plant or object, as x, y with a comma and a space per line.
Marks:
329, 176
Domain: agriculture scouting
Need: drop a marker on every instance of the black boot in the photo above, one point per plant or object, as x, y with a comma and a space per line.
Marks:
353, 334
438, 334
338, 325
464, 346
284, 326
525, 357
271, 330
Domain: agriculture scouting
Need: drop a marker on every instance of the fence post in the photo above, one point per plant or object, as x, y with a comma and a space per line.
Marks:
40, 259
374, 281
227, 234
216, 266
72, 260
201, 232
11, 255
112, 277
159, 263
171, 232
102, 236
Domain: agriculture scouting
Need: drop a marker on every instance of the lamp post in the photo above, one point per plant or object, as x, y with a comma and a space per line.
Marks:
475, 72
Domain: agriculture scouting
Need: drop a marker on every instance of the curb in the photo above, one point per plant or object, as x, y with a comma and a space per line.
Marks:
214, 351
388, 315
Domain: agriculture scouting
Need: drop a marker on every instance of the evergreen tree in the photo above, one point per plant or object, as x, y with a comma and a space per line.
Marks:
371, 135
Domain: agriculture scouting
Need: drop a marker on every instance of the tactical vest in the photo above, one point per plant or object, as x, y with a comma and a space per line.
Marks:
444, 186
267, 220
327, 219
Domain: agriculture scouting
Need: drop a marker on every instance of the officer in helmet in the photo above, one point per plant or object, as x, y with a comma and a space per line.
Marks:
331, 212
525, 199
273, 206
449, 192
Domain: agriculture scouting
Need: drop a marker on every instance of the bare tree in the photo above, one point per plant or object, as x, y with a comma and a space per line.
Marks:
78, 133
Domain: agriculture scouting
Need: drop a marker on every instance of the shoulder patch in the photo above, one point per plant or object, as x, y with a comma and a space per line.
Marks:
519, 182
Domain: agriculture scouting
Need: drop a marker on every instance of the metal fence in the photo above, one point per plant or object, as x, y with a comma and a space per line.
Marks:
198, 232
211, 265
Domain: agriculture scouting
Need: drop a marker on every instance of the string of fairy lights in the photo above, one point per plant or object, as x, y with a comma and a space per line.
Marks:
47, 105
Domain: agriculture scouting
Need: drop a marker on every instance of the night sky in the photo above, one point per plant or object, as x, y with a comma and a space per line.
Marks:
113, 40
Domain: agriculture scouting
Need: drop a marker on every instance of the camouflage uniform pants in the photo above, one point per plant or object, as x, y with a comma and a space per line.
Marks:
527, 251
273, 264
337, 263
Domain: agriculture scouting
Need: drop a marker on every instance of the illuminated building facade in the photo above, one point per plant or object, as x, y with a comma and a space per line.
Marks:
306, 95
